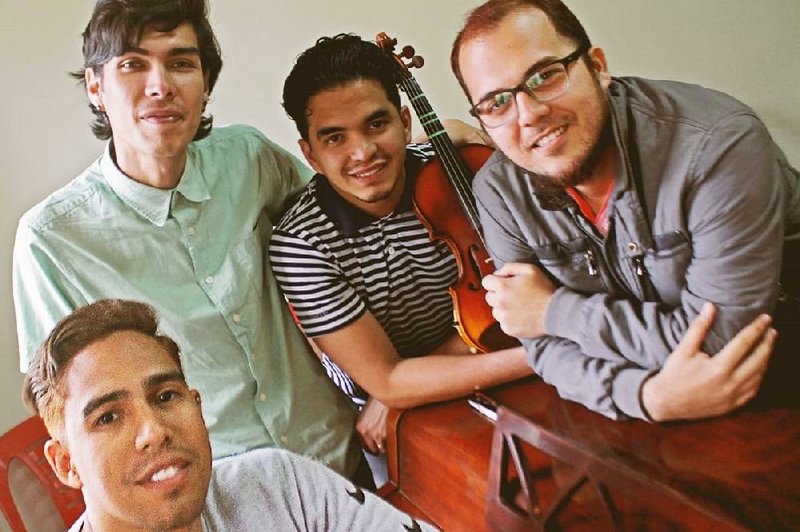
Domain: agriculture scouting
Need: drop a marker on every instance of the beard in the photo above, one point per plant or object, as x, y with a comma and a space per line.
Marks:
584, 167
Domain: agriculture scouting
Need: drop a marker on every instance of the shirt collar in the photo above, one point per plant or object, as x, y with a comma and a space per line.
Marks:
152, 203
350, 219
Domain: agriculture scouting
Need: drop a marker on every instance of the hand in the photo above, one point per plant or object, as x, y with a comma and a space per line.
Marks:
693, 385
519, 294
460, 133
371, 426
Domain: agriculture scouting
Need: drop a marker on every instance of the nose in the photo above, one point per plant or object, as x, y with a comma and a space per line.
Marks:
159, 82
529, 109
362, 149
152, 433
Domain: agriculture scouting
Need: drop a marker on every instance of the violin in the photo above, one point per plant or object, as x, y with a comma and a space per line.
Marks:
444, 203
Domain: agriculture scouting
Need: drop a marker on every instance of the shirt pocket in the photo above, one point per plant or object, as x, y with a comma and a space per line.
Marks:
573, 263
667, 263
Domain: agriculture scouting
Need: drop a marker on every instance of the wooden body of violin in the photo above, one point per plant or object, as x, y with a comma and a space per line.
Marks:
438, 207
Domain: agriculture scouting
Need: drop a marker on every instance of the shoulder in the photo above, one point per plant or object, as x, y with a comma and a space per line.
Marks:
676, 101
494, 174
257, 466
77, 196
233, 141
235, 133
304, 214
421, 151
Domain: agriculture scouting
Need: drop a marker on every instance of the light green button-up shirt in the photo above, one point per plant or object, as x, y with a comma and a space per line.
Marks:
197, 253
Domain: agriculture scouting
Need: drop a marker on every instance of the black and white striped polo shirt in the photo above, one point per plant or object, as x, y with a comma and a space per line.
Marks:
334, 262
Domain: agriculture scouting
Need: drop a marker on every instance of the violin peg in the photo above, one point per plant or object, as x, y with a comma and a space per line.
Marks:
408, 52
417, 62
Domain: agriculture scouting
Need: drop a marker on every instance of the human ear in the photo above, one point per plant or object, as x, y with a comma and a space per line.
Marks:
405, 116
60, 461
308, 153
93, 88
599, 66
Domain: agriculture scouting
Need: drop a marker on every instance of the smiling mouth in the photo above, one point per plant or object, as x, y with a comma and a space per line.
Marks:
548, 139
161, 118
165, 474
368, 173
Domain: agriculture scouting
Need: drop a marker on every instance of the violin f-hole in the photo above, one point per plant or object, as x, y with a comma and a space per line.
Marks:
474, 262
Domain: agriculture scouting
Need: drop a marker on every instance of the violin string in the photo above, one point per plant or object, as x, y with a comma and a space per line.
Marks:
444, 147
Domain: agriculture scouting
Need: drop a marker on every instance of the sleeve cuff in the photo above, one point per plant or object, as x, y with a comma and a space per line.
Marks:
626, 391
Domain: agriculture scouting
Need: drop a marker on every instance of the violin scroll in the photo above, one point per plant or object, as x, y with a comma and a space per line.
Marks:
387, 44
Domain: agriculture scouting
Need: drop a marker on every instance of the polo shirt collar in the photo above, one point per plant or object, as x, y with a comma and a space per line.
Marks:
153, 204
350, 219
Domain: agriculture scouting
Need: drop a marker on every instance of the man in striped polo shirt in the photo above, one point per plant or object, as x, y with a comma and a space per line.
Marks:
366, 283
356, 264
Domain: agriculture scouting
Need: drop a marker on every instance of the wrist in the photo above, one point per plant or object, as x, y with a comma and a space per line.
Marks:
651, 399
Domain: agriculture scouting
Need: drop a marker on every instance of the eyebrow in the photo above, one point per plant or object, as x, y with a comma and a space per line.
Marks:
543, 62
325, 131
160, 378
104, 399
150, 382
182, 50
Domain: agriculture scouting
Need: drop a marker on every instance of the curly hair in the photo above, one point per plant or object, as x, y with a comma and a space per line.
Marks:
333, 62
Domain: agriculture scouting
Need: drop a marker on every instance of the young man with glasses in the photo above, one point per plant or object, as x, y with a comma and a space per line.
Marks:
616, 208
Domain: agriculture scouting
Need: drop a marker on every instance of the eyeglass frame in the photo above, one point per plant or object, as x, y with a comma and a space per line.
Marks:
522, 87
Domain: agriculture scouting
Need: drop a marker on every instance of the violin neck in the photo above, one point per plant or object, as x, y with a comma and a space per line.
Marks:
452, 163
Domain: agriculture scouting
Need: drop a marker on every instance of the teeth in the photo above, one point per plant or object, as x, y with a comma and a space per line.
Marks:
366, 174
165, 474
544, 141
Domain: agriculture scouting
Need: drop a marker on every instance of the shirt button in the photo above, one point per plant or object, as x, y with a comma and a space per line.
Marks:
190, 231
632, 247
284, 440
209, 280
262, 397
390, 250
237, 318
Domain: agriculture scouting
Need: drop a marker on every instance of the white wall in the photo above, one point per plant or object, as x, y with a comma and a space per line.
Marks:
749, 49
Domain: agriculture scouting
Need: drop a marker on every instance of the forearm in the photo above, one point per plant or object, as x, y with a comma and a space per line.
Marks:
609, 387
439, 377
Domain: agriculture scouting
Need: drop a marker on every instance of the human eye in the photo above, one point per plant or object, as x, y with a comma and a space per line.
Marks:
496, 104
166, 396
130, 64
183, 64
545, 77
106, 418
378, 123
333, 140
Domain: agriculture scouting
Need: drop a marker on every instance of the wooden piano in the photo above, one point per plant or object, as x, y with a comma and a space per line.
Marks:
552, 464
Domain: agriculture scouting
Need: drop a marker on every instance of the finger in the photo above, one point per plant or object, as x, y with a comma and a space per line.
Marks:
381, 447
756, 364
491, 282
510, 269
491, 298
744, 343
692, 340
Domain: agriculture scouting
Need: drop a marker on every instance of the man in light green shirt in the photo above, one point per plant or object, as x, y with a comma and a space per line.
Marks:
182, 223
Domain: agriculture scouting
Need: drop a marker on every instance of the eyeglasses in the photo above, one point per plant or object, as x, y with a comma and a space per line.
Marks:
546, 83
